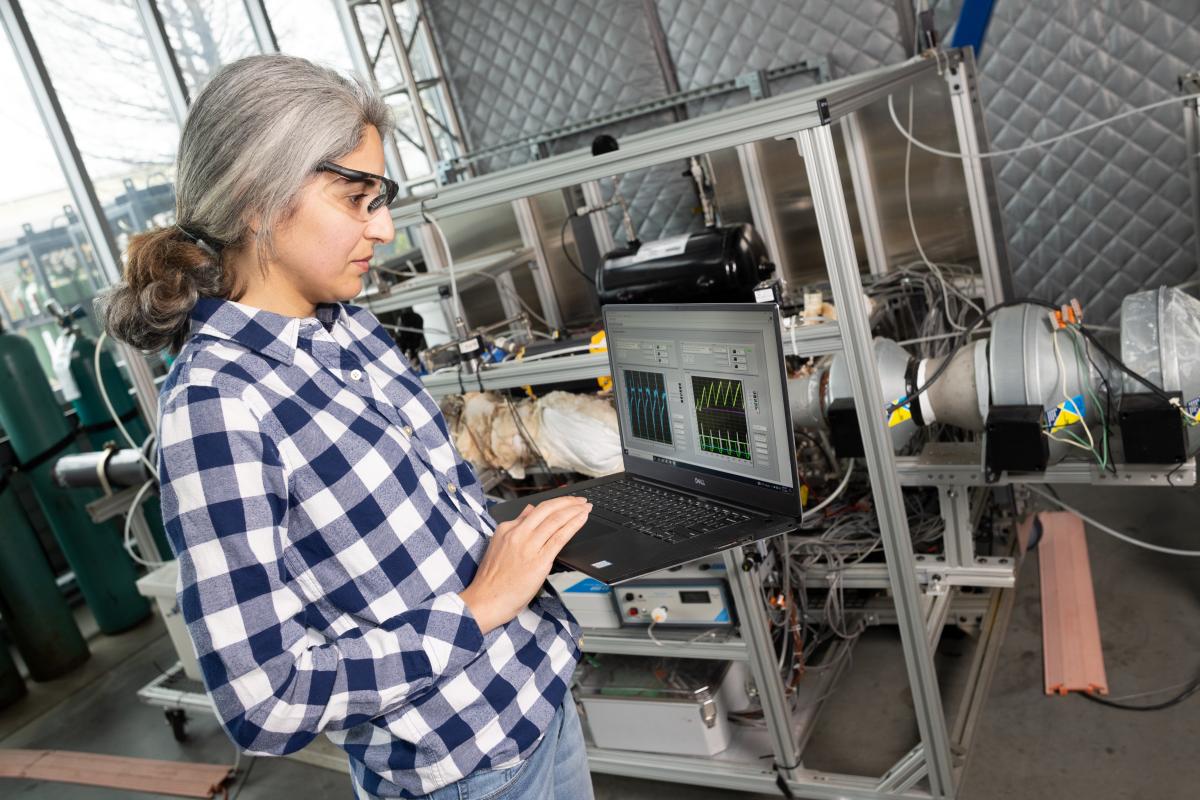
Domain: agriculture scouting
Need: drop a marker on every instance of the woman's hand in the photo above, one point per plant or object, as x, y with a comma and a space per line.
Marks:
519, 558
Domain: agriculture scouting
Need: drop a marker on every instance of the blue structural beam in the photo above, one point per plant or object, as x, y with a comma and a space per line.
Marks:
972, 24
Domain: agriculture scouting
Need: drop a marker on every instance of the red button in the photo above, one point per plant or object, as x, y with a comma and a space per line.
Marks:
633, 612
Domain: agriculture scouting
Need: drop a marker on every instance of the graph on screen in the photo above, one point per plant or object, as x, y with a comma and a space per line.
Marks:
721, 417
649, 417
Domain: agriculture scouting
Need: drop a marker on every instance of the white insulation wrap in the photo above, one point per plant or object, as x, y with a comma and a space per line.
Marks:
571, 431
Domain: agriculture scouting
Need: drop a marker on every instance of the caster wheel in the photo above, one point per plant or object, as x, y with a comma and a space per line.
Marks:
177, 719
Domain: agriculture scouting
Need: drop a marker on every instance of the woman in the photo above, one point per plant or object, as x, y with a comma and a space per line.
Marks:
340, 573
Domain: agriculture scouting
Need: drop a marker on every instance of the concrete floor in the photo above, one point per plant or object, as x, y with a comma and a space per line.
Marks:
1028, 745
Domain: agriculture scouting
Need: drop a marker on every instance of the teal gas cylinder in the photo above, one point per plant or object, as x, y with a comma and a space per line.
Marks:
12, 685
31, 416
38, 617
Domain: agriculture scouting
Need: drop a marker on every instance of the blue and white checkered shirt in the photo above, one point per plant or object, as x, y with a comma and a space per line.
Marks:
324, 525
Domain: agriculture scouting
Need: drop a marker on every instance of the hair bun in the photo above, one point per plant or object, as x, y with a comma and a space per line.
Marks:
166, 272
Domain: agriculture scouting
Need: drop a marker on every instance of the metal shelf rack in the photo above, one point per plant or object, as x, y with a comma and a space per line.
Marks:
921, 606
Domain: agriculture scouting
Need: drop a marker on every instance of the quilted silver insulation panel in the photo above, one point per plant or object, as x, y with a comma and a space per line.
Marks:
528, 65
1106, 213
1094, 217
525, 66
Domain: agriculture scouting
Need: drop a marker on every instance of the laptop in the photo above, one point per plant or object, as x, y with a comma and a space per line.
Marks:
706, 438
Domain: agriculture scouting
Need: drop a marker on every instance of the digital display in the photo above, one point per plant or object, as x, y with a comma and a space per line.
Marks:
701, 388
694, 597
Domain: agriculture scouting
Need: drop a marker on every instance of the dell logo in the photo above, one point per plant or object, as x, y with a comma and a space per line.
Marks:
699, 481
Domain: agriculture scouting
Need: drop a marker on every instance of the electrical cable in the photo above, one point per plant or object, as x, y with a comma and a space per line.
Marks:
112, 411
1036, 144
912, 224
502, 287
1192, 688
562, 240
942, 367
1171, 551
459, 311
128, 538
836, 492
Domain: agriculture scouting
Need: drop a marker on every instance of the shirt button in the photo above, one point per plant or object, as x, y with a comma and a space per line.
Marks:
451, 488
355, 375
408, 431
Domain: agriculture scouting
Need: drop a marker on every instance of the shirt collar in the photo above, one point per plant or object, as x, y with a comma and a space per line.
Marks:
262, 331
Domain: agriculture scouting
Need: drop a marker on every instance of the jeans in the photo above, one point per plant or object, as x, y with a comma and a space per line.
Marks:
557, 769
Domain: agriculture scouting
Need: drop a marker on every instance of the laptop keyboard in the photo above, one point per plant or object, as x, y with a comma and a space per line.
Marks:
661, 513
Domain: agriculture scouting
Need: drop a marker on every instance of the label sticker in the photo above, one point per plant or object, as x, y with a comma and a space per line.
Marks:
672, 246
1068, 412
901, 414
601, 564
589, 586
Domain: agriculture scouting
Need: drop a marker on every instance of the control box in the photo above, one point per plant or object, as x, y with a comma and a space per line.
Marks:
588, 600
695, 595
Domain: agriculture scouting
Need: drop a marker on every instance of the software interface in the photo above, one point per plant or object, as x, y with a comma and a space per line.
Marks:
699, 388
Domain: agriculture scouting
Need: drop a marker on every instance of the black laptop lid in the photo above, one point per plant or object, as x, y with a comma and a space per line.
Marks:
701, 395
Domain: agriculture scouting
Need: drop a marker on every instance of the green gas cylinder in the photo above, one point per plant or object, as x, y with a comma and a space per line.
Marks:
12, 685
74, 360
38, 617
31, 416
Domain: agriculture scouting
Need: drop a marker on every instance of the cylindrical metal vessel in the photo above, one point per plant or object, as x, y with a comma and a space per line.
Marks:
719, 265
12, 685
37, 615
30, 414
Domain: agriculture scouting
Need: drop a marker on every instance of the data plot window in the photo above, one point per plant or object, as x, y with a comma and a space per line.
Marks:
649, 417
721, 417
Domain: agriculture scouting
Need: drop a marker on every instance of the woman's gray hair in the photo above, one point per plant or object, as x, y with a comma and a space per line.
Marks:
252, 140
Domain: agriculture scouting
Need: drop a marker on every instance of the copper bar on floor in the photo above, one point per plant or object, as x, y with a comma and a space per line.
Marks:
1074, 661
175, 778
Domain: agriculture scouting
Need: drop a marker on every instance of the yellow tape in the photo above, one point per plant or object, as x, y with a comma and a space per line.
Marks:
600, 345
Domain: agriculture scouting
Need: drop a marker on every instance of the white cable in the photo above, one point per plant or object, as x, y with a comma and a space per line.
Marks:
459, 312
836, 492
650, 633
111, 411
1171, 551
1032, 145
129, 543
912, 224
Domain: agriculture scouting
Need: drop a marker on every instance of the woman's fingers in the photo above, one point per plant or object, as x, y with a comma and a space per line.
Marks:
559, 538
548, 508
538, 537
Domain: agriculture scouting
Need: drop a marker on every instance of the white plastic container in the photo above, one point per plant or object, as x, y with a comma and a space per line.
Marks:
161, 586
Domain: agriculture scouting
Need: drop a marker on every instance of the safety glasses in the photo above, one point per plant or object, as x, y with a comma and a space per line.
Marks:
388, 187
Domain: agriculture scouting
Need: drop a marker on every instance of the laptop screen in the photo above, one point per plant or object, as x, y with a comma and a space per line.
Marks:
702, 387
